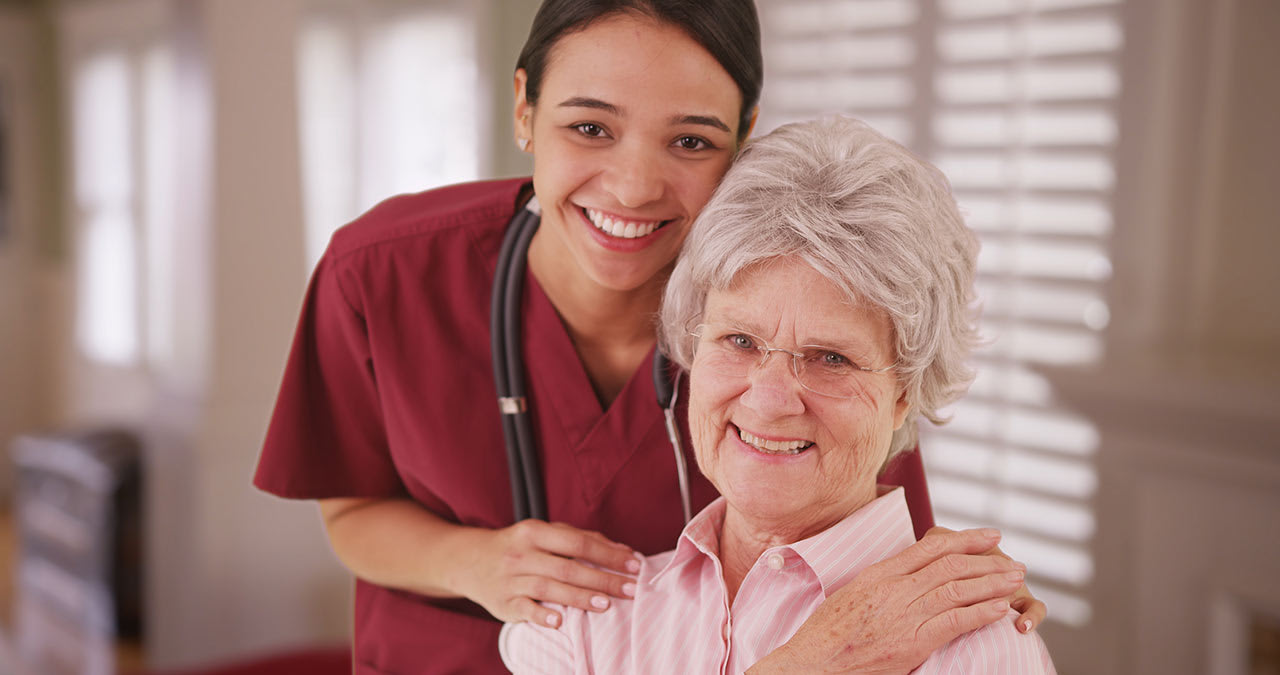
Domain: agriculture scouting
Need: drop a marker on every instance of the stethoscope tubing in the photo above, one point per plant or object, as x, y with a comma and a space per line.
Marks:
527, 494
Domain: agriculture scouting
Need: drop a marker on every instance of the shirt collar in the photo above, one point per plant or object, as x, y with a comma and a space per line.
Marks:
700, 536
878, 530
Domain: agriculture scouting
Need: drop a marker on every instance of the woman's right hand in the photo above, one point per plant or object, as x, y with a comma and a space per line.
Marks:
898, 611
398, 543
514, 568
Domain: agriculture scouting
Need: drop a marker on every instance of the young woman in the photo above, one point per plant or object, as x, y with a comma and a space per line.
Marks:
633, 111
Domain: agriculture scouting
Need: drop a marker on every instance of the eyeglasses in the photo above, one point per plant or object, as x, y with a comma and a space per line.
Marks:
822, 370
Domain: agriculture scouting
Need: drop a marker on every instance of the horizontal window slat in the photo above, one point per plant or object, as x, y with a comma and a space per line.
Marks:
843, 53
847, 92
1001, 128
1036, 82
796, 19
968, 9
986, 459
1033, 259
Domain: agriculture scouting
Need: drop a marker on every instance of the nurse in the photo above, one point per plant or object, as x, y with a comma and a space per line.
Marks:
633, 111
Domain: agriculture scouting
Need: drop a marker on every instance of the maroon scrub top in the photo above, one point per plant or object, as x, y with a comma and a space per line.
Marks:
388, 392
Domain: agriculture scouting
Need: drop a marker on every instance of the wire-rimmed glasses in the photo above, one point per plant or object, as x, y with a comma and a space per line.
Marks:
827, 371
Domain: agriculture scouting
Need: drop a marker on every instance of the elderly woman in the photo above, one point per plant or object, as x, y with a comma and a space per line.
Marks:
821, 305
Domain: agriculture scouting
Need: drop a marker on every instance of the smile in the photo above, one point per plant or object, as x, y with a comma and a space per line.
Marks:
774, 447
622, 229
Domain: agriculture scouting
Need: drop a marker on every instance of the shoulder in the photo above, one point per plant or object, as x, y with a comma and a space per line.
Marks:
531, 648
478, 208
996, 648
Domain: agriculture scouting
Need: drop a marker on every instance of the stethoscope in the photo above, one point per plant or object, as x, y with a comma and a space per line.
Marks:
527, 495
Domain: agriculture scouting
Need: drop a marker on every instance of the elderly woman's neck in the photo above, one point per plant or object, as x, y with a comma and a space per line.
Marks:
743, 540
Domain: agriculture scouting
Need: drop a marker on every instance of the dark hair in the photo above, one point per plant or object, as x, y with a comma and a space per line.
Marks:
728, 29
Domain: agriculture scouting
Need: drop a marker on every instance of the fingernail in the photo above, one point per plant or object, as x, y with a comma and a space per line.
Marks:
1000, 605
1020, 566
553, 620
629, 589
1013, 576
1026, 626
990, 532
633, 566
599, 602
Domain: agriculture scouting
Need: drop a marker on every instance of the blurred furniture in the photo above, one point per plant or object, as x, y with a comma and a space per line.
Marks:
78, 587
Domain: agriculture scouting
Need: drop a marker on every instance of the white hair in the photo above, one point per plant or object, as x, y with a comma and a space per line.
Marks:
873, 218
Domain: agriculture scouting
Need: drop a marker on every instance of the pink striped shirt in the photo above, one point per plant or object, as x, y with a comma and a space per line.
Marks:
680, 620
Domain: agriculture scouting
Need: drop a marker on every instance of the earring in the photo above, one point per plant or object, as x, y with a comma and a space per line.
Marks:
523, 143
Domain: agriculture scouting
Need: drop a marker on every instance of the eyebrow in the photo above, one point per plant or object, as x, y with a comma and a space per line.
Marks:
703, 120
587, 102
597, 104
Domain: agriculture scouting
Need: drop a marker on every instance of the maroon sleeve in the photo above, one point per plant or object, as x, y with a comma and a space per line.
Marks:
326, 437
907, 470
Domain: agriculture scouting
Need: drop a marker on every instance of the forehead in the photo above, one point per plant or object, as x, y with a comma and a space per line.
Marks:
627, 57
788, 298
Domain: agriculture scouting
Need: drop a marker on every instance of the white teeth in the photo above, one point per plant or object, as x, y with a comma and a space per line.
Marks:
773, 447
621, 228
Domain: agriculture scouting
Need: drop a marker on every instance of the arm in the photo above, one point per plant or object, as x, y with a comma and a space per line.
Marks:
399, 544
900, 610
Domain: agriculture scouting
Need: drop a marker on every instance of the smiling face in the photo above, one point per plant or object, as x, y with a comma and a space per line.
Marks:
785, 458
635, 125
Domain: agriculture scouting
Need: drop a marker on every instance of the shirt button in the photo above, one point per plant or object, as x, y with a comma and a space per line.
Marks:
774, 561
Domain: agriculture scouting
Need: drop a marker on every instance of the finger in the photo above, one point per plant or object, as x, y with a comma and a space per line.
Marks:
956, 566
952, 624
936, 545
575, 573
1032, 611
524, 609
570, 542
966, 592
545, 589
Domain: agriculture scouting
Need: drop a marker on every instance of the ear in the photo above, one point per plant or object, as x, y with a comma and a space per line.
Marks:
755, 115
522, 111
900, 409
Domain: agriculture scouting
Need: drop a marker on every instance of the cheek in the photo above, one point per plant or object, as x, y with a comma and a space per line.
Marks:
709, 402
697, 184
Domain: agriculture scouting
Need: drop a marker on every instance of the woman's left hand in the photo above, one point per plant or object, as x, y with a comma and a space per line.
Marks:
1031, 611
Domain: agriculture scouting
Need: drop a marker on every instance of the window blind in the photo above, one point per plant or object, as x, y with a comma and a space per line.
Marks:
1015, 100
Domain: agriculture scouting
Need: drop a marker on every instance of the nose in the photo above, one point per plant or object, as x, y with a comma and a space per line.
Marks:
772, 388
635, 177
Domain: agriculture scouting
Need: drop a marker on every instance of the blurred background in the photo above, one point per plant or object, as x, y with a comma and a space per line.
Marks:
171, 169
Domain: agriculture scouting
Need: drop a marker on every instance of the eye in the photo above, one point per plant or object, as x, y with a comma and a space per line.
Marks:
830, 360
740, 341
589, 129
692, 143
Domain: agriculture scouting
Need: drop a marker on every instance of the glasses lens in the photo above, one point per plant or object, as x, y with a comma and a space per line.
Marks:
827, 372
727, 351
